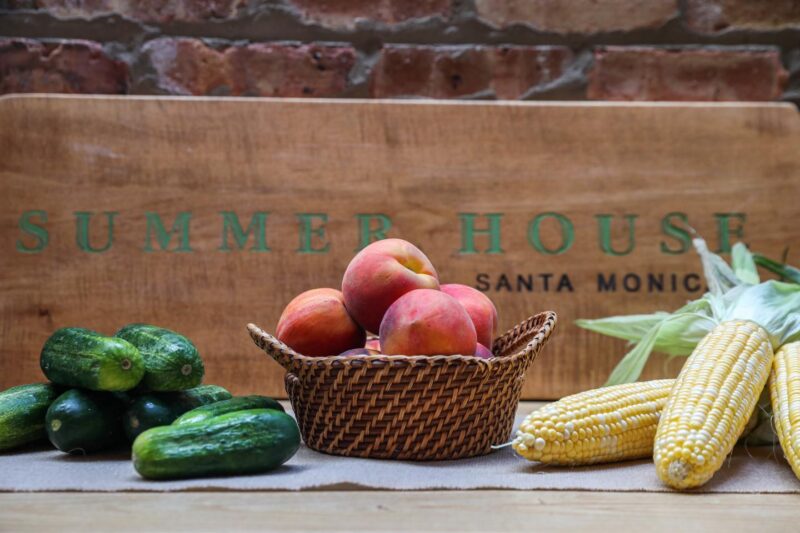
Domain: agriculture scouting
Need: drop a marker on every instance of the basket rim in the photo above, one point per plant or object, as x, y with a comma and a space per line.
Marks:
261, 338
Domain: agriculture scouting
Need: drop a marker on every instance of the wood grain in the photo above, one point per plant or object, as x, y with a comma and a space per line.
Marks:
454, 511
421, 164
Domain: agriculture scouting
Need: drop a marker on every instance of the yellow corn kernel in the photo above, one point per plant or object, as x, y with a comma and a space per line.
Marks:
597, 426
784, 394
714, 396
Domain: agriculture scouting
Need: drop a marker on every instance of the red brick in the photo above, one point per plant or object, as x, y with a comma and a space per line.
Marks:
160, 11
578, 16
67, 66
189, 66
711, 16
643, 73
458, 71
346, 13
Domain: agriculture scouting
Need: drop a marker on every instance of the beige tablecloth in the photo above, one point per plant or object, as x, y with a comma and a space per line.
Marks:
754, 470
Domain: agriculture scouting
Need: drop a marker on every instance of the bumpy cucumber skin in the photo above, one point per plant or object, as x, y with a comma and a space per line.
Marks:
205, 394
82, 421
77, 357
161, 409
171, 361
22, 414
237, 403
243, 442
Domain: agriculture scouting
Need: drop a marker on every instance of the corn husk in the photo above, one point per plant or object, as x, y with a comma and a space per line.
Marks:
735, 292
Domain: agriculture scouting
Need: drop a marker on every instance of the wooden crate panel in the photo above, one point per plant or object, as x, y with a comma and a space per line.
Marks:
204, 214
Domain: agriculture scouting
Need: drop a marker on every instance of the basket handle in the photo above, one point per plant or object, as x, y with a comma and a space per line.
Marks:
281, 353
527, 338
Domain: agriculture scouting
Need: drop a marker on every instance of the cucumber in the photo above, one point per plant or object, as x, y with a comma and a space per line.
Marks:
244, 442
161, 409
22, 412
147, 412
204, 394
240, 403
78, 357
171, 361
85, 421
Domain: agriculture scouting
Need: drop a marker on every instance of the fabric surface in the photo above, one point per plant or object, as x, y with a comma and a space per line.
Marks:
754, 470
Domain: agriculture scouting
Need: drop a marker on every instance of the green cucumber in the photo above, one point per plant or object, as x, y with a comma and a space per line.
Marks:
22, 412
239, 403
161, 409
243, 442
85, 421
204, 394
77, 357
147, 412
171, 361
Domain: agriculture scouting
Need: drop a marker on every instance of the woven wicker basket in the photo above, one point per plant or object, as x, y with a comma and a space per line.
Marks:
409, 407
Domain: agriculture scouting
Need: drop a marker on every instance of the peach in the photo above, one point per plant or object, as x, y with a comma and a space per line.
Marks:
380, 274
317, 323
427, 322
479, 307
360, 351
483, 352
373, 344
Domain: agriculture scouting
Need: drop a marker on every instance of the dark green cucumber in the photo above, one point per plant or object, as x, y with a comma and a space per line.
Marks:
148, 411
124, 397
77, 357
82, 421
240, 403
161, 409
244, 442
22, 412
171, 361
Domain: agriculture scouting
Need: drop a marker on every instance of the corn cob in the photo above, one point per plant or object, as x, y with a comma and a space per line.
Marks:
784, 392
602, 425
714, 396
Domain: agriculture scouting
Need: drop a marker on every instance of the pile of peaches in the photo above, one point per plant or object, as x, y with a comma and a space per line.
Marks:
390, 288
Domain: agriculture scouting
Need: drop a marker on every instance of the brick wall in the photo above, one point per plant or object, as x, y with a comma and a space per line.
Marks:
510, 49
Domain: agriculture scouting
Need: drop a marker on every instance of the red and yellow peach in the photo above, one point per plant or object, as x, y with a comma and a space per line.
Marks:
316, 323
427, 322
380, 274
480, 309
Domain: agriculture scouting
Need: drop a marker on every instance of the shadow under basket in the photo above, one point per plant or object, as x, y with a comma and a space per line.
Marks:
409, 407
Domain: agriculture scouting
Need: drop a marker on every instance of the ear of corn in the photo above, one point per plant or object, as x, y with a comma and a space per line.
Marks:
714, 396
784, 390
602, 425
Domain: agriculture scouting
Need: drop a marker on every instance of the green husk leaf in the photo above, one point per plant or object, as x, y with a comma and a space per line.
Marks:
773, 305
678, 334
786, 272
681, 333
628, 327
630, 367
634, 327
743, 264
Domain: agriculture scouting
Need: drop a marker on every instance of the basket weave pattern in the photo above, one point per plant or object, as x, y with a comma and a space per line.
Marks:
409, 407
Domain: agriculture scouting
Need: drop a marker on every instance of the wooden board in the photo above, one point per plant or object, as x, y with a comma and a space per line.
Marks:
456, 511
553, 176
